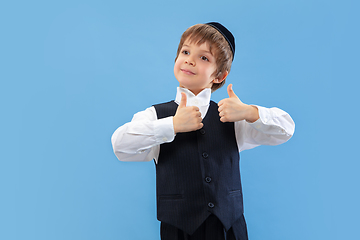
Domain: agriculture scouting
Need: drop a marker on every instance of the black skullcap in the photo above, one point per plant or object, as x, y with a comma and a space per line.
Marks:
226, 33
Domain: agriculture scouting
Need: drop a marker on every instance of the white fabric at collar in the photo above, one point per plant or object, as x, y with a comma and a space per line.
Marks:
200, 100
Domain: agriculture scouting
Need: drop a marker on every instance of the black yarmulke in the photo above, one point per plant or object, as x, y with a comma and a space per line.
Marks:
226, 33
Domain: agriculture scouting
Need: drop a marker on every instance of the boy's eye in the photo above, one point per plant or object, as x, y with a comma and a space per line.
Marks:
185, 52
204, 58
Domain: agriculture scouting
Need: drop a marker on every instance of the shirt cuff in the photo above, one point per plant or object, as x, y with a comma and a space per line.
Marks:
164, 130
258, 124
266, 123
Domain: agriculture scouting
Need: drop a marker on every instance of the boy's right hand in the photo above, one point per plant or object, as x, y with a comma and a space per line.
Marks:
187, 119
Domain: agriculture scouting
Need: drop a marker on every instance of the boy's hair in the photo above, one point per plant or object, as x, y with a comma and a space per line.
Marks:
219, 47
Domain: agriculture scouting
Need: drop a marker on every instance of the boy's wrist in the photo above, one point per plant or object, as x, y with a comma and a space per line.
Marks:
253, 114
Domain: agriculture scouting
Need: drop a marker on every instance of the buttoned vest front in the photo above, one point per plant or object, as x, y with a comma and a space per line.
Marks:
198, 173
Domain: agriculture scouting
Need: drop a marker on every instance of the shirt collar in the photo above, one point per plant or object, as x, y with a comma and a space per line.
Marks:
200, 100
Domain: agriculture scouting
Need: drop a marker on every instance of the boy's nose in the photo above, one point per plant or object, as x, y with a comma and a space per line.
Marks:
190, 61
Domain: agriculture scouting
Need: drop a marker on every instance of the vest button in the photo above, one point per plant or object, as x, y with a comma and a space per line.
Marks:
205, 155
208, 179
202, 131
211, 205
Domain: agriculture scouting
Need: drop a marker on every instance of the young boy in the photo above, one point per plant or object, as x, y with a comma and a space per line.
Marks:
195, 142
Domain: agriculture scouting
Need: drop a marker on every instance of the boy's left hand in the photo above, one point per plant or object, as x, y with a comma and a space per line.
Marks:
232, 109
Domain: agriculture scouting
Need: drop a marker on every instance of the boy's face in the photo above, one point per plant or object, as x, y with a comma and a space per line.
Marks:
195, 66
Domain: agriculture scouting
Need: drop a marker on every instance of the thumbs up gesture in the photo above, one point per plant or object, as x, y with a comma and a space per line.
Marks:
186, 119
232, 109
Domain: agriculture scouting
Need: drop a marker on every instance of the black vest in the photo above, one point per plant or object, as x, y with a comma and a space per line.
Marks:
198, 173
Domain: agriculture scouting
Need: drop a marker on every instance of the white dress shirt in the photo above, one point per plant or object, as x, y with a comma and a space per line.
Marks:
140, 139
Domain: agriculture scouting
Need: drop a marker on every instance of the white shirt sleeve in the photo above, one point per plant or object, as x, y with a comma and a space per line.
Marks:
274, 127
140, 139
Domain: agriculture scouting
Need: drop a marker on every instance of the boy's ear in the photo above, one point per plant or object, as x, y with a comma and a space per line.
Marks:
221, 78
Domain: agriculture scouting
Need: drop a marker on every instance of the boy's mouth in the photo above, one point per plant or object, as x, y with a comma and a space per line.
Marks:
187, 72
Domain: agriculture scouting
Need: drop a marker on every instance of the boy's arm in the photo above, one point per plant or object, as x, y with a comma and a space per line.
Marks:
140, 139
273, 127
255, 125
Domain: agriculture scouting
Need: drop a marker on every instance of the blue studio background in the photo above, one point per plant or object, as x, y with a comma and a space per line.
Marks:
73, 71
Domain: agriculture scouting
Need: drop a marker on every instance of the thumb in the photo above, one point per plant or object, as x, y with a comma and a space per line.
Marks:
183, 100
230, 91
